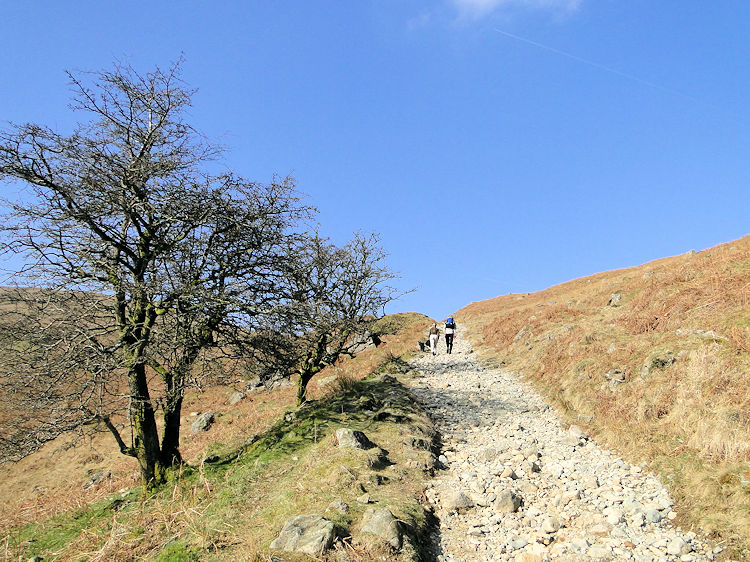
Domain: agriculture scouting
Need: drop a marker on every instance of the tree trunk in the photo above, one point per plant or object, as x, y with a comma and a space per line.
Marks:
146, 442
170, 443
304, 377
312, 365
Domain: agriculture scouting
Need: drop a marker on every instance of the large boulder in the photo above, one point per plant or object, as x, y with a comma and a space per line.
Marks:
236, 398
381, 523
309, 534
203, 422
352, 438
364, 340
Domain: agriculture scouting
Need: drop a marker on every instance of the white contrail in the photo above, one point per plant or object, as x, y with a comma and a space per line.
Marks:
596, 65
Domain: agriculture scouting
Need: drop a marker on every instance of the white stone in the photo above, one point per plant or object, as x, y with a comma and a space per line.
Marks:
599, 499
678, 547
551, 524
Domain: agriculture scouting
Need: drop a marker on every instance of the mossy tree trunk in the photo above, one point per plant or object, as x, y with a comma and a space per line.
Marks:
146, 437
313, 363
170, 442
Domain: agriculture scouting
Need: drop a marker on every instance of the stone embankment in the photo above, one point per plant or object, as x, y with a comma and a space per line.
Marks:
519, 486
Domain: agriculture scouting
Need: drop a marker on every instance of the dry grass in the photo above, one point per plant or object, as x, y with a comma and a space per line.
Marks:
229, 513
689, 419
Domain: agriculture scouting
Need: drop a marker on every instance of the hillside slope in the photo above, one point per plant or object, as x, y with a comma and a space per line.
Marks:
262, 461
655, 362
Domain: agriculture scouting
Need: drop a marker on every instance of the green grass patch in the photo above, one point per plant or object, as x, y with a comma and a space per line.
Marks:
234, 503
178, 551
54, 534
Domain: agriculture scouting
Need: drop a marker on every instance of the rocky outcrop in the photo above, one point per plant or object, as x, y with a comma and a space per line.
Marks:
236, 398
97, 479
309, 534
615, 299
615, 377
657, 361
346, 437
381, 523
202, 423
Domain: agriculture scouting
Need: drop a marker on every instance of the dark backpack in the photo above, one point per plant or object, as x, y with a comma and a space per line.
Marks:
449, 323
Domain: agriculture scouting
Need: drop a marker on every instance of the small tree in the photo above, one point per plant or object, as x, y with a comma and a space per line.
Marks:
145, 260
336, 293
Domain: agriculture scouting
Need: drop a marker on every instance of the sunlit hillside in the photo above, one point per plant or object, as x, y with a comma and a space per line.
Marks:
655, 362
48, 508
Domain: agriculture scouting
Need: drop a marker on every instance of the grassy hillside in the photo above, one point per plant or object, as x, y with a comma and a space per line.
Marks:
655, 362
268, 461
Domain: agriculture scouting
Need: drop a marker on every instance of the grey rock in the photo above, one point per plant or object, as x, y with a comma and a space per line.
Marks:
570, 496
202, 423
352, 438
530, 452
309, 534
254, 384
590, 483
632, 506
600, 499
277, 381
554, 470
678, 546
507, 502
615, 376
458, 501
613, 515
615, 299
364, 340
599, 529
325, 381
236, 398
488, 454
381, 523
97, 479
338, 505
364, 498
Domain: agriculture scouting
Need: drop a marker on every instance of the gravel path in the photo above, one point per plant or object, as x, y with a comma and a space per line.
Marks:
519, 486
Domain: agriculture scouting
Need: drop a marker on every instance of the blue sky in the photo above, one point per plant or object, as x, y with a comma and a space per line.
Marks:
497, 145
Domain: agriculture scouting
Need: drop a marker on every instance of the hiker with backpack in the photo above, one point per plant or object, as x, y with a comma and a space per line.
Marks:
450, 331
434, 337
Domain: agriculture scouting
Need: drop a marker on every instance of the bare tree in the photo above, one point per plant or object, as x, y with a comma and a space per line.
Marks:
144, 261
336, 293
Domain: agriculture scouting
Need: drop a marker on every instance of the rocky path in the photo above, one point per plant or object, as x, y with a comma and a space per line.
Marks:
518, 486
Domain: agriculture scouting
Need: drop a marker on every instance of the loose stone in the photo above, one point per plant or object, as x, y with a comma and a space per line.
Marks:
516, 484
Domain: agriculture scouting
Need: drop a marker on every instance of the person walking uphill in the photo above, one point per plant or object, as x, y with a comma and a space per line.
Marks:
434, 337
450, 331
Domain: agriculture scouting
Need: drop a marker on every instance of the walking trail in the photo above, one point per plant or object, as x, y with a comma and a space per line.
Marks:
519, 486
